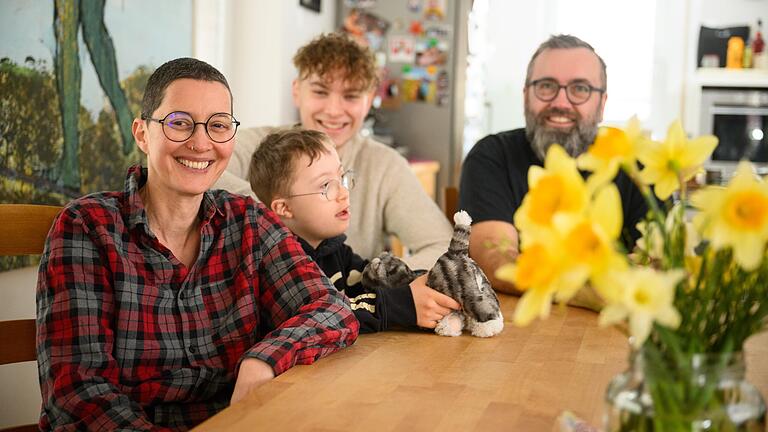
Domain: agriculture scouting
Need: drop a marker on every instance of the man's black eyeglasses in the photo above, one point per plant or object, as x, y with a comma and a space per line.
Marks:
546, 89
179, 126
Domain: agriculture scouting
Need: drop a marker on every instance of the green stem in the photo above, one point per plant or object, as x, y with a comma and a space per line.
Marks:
653, 206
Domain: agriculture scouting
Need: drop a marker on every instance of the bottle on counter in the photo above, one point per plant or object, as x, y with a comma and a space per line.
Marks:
746, 60
759, 59
746, 55
735, 55
758, 44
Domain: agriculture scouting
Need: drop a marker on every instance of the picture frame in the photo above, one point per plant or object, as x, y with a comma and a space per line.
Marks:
311, 4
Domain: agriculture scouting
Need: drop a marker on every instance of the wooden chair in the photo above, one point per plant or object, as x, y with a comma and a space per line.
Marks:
23, 230
450, 201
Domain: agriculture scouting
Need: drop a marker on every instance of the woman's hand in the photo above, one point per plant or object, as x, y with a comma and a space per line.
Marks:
253, 373
431, 306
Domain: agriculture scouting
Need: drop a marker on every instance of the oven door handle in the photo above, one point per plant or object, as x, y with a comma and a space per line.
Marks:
731, 110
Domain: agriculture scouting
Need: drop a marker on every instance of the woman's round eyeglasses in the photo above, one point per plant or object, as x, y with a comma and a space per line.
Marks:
179, 126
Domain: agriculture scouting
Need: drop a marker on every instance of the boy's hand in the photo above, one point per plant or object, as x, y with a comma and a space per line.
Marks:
431, 306
253, 373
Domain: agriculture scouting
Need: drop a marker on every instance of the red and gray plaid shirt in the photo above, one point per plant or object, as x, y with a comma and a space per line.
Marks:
128, 337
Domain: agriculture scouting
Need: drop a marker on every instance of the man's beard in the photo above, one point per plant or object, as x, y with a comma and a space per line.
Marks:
574, 140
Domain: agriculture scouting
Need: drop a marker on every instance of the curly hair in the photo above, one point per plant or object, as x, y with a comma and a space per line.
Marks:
330, 53
273, 164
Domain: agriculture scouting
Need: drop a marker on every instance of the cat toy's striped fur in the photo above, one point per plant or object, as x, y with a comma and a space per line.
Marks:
457, 275
454, 274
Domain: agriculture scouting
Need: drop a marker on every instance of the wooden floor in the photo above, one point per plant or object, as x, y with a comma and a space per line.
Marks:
520, 380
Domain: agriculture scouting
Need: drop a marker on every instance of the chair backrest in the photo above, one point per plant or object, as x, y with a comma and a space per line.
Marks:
450, 201
23, 230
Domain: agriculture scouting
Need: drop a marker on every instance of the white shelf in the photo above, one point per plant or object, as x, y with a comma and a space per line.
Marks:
722, 77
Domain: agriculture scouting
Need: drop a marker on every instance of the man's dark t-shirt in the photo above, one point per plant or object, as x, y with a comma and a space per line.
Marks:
494, 181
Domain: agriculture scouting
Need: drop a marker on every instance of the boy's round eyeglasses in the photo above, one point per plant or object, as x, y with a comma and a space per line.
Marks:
546, 89
179, 126
332, 188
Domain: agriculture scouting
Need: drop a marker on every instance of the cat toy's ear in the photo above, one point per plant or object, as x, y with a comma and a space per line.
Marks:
462, 218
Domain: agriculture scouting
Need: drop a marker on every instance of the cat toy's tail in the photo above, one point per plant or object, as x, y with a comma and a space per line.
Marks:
460, 239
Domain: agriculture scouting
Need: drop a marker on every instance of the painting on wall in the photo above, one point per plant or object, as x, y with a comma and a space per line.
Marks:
72, 75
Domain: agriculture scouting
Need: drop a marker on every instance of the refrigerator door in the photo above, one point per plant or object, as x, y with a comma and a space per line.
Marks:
421, 48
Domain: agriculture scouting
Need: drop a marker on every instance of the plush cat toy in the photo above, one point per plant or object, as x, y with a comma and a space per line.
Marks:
456, 275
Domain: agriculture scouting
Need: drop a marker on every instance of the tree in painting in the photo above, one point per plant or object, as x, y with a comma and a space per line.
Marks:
69, 15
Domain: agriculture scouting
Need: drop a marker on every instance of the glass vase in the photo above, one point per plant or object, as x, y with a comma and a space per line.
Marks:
698, 392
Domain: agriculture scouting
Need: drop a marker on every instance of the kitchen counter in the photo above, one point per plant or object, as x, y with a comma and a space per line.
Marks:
722, 77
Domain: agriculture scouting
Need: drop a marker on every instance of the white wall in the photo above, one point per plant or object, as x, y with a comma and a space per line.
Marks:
252, 42
669, 66
19, 394
517, 28
720, 13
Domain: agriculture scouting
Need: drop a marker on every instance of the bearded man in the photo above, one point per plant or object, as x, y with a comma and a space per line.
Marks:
565, 93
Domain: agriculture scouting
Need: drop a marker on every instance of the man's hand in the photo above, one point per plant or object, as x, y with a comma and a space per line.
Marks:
253, 373
587, 298
483, 242
431, 306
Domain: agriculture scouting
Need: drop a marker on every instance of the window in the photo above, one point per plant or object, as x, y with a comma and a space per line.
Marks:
623, 33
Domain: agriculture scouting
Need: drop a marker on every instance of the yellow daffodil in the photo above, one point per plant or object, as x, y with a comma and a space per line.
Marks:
589, 242
652, 242
673, 161
692, 260
613, 148
556, 188
736, 216
536, 274
647, 297
569, 250
610, 285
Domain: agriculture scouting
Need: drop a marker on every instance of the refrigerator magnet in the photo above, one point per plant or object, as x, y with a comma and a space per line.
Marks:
434, 10
401, 49
443, 89
416, 28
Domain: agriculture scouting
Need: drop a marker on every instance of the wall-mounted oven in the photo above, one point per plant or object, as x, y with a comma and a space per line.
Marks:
739, 119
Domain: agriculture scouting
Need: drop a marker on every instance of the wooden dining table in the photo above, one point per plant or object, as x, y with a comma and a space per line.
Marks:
519, 380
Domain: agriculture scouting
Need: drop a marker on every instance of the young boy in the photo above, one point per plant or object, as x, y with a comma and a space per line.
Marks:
298, 174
